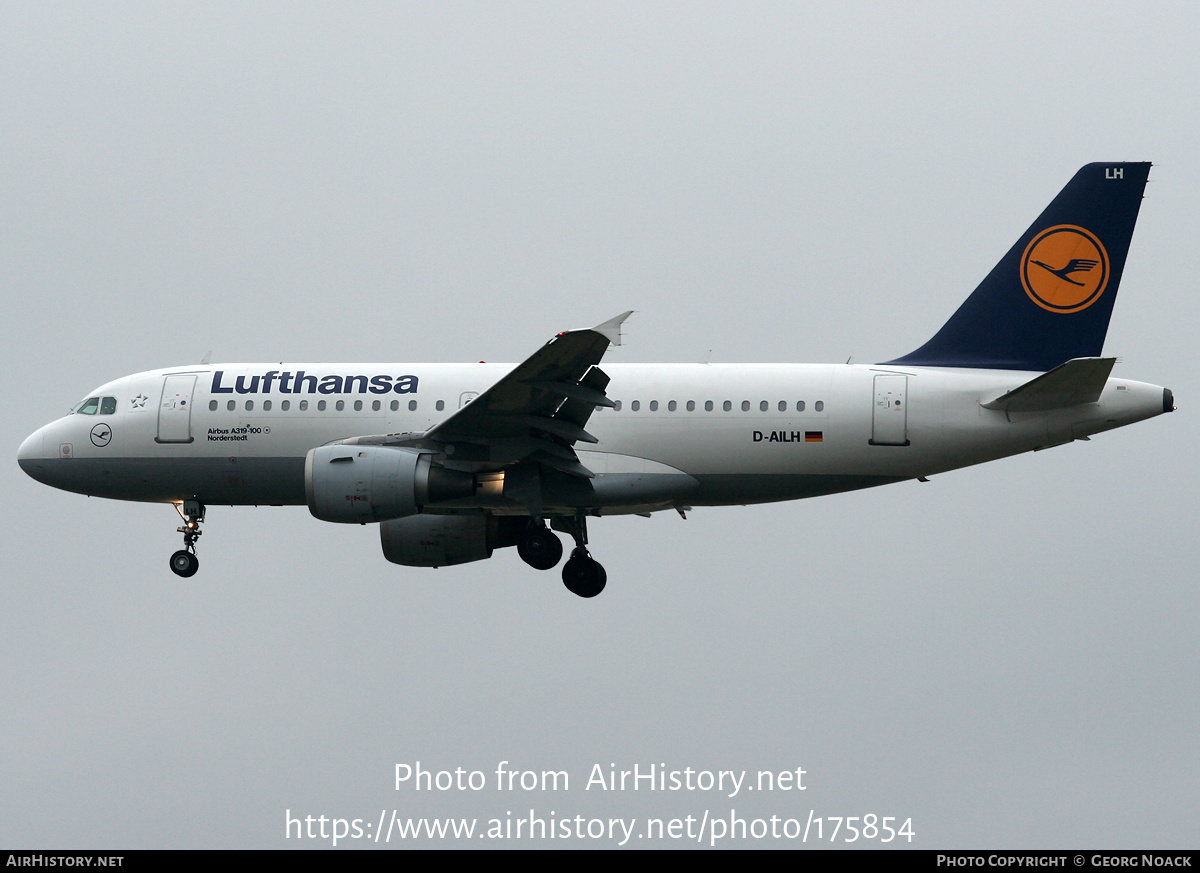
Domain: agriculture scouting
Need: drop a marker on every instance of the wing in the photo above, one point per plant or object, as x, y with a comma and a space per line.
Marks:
534, 414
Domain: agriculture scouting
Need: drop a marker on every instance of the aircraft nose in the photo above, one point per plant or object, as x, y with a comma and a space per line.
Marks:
31, 456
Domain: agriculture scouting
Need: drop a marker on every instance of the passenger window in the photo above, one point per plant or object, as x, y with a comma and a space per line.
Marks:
321, 405
340, 405
285, 405
799, 405
745, 406
303, 405
212, 406
440, 405
691, 407
375, 405
671, 406
412, 405
727, 405
249, 405
358, 405
708, 406
89, 406
819, 405
108, 406
616, 406
231, 405
636, 405
783, 406
763, 406
654, 406
266, 406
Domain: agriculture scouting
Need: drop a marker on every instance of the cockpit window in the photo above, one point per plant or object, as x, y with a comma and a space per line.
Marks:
108, 406
89, 406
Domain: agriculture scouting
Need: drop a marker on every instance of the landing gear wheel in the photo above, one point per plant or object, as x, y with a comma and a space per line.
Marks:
583, 575
540, 549
184, 563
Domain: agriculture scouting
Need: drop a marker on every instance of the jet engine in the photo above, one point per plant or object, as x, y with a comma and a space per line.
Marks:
363, 484
443, 540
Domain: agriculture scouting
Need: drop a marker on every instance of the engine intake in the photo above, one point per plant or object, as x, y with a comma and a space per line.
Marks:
362, 484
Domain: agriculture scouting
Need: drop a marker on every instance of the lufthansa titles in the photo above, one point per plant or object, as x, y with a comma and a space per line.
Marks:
300, 382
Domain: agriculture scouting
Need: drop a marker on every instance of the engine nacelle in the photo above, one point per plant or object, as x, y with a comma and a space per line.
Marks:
444, 540
362, 484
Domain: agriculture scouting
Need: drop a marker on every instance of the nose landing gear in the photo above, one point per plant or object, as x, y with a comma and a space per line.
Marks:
184, 562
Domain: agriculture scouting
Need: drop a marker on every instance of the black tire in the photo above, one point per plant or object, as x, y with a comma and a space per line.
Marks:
184, 563
540, 549
584, 576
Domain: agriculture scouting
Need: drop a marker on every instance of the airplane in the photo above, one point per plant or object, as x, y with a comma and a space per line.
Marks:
454, 461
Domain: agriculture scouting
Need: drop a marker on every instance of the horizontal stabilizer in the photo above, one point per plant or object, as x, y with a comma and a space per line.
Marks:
1076, 382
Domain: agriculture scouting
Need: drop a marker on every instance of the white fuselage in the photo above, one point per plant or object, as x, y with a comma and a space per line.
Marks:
684, 434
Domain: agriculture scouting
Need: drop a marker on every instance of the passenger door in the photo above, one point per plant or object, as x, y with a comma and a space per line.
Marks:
175, 409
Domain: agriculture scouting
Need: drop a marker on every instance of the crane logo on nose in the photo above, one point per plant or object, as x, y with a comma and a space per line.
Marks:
101, 435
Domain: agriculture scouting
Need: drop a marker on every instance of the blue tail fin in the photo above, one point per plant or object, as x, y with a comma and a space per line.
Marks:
1050, 298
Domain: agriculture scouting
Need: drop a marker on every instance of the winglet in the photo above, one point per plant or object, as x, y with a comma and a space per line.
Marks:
611, 329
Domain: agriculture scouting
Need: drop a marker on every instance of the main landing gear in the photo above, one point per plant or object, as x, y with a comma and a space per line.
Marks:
184, 562
538, 547
541, 549
582, 574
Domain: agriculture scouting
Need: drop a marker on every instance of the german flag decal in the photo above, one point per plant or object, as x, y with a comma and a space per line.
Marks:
813, 436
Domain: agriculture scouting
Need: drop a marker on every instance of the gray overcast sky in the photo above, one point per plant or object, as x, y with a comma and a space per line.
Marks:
1007, 655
